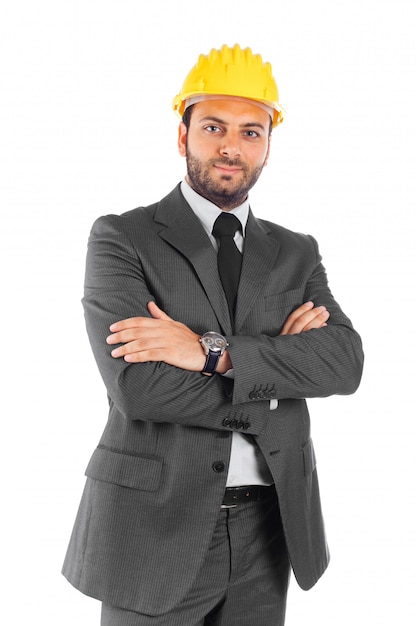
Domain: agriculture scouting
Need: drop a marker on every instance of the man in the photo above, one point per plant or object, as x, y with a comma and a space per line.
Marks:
209, 327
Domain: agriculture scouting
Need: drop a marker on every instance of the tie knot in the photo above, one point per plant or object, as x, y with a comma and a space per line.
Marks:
226, 225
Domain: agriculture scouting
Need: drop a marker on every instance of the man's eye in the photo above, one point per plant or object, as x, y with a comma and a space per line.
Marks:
213, 129
252, 133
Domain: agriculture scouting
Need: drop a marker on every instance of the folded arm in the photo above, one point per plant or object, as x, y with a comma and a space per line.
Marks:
161, 338
116, 287
318, 363
312, 356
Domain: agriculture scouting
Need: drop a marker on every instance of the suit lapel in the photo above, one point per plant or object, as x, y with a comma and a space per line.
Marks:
183, 230
260, 253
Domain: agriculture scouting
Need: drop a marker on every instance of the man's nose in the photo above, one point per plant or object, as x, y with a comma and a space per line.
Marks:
230, 146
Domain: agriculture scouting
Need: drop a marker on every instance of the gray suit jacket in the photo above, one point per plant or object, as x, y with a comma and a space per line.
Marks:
154, 484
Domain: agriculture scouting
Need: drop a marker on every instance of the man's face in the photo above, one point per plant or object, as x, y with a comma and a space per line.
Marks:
226, 147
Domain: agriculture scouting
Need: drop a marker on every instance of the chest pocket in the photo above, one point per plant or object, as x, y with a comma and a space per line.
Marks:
288, 300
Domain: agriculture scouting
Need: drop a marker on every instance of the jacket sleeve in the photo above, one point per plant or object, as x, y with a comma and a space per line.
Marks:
316, 363
116, 288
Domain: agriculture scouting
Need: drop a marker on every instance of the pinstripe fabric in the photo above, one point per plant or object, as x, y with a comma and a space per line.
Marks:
243, 581
138, 540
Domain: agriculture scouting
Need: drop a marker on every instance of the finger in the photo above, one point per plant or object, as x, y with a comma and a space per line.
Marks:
156, 312
311, 319
136, 347
133, 322
306, 321
318, 321
145, 356
307, 306
124, 336
138, 352
130, 322
125, 349
131, 329
140, 356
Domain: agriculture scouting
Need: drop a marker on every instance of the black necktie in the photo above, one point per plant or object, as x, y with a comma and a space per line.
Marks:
229, 257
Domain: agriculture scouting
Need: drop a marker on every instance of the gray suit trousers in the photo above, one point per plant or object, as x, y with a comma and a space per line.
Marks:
243, 580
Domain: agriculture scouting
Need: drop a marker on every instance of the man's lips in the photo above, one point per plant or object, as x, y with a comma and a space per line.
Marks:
226, 169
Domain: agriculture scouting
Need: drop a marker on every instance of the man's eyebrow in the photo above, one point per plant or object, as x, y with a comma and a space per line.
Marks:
213, 118
251, 124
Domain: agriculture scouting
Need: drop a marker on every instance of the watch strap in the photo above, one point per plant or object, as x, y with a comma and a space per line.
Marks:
211, 363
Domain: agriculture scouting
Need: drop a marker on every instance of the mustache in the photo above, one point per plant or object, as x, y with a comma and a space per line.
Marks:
229, 162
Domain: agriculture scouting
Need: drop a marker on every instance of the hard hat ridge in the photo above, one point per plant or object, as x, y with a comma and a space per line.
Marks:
231, 72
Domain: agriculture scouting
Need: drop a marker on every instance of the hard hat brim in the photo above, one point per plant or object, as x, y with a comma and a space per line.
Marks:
179, 103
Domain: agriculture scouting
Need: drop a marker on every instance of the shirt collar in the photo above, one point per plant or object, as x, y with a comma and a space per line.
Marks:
207, 211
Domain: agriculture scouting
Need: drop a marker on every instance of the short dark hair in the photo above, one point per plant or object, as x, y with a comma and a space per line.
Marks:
186, 118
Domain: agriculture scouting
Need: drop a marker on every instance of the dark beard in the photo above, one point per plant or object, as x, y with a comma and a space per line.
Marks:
202, 183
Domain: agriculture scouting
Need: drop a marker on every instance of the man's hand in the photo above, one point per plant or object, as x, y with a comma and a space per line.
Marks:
158, 338
304, 318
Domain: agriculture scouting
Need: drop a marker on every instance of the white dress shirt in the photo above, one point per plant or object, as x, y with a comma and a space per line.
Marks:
247, 464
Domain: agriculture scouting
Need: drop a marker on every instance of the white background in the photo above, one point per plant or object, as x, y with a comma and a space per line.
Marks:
87, 129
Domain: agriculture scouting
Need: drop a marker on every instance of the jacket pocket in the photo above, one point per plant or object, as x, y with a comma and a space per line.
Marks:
135, 472
286, 299
309, 458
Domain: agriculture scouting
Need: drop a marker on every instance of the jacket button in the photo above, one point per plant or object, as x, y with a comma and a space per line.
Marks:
218, 467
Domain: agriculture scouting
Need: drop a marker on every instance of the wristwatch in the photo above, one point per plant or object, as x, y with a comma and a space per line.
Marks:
214, 346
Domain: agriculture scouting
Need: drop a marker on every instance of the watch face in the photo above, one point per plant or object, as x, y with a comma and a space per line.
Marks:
214, 341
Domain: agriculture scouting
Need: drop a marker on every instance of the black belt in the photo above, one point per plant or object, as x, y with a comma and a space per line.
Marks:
237, 495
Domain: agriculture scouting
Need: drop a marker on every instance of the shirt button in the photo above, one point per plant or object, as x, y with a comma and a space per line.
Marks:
218, 467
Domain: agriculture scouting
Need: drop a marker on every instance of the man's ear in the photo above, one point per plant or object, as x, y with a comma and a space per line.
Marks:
182, 131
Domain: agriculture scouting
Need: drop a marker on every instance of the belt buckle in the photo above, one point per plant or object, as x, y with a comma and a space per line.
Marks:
239, 492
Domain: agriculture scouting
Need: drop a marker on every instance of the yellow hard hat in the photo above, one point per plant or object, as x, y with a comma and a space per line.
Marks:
231, 72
